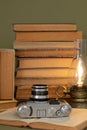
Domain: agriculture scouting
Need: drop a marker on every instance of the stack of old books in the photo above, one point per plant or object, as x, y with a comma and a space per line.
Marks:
44, 54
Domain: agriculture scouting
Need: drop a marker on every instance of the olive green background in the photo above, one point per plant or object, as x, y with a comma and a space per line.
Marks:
40, 11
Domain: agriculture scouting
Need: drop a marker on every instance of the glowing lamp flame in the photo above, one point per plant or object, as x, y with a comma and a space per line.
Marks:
81, 72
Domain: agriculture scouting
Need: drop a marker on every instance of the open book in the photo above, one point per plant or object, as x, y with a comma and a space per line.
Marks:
76, 121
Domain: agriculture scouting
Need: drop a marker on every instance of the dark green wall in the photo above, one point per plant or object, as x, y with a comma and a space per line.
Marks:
40, 11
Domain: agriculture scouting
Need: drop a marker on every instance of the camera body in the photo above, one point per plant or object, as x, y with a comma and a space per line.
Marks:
45, 109
40, 106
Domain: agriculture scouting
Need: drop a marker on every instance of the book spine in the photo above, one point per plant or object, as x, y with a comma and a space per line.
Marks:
25, 63
48, 81
60, 72
6, 104
44, 45
45, 27
46, 53
48, 36
7, 73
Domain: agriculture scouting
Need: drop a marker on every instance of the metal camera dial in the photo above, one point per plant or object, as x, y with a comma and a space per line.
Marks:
24, 111
66, 109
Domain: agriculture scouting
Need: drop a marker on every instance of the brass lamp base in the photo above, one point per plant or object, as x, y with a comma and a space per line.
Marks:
78, 100
78, 94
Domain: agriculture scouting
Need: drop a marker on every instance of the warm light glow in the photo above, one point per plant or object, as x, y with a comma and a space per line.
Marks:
81, 72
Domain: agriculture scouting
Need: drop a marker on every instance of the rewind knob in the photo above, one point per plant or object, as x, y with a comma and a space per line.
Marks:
24, 111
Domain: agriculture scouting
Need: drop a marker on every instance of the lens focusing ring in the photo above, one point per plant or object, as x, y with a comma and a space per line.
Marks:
39, 92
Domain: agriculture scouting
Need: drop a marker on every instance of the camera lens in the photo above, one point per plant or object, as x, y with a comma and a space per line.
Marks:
39, 92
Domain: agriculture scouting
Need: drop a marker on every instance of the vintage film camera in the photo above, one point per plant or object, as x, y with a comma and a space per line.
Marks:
39, 105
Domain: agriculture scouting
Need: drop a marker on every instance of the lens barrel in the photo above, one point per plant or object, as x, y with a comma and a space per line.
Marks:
39, 92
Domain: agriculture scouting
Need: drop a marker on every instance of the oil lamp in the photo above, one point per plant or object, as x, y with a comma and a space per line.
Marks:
78, 87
